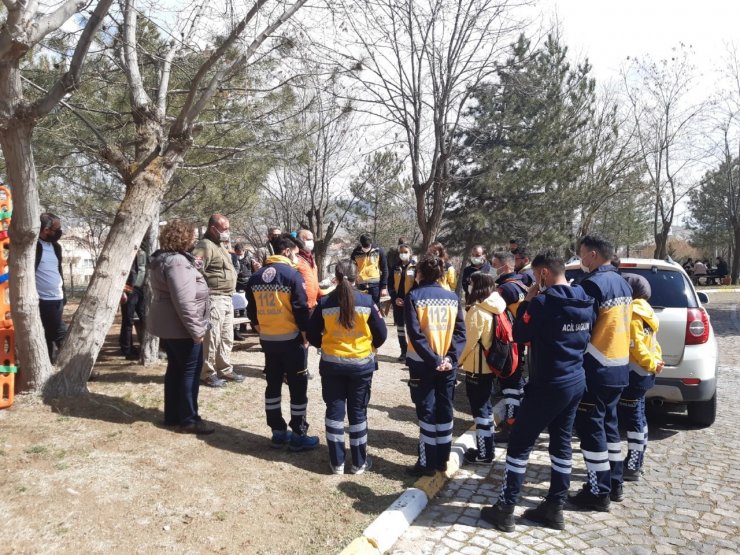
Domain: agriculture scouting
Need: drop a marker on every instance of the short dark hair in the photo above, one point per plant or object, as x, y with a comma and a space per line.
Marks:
48, 219
238, 247
284, 241
483, 284
271, 229
599, 244
504, 256
431, 268
551, 260
522, 252
481, 247
366, 240
402, 241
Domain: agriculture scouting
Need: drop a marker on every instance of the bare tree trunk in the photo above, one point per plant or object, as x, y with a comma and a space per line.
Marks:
98, 308
661, 242
32, 355
735, 272
149, 355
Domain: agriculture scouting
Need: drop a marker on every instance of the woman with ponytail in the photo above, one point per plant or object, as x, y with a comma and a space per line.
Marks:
348, 327
435, 329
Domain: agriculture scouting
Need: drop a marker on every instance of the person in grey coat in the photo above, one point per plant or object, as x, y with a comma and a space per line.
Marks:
179, 317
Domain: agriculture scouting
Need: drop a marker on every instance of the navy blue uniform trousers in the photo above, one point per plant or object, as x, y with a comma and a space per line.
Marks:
478, 388
400, 327
544, 407
597, 426
631, 412
433, 393
346, 394
182, 381
288, 363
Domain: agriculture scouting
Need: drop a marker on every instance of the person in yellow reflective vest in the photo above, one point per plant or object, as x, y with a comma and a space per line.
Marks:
372, 268
449, 276
402, 281
347, 326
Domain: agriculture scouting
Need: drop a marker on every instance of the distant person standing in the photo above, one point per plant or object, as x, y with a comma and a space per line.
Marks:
263, 253
307, 267
372, 268
402, 281
50, 282
133, 304
478, 263
522, 266
214, 262
722, 269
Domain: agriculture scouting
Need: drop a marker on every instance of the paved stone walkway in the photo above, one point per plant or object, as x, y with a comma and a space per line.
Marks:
688, 500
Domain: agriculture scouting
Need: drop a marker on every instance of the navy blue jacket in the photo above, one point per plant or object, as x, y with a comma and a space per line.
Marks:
558, 324
469, 270
512, 289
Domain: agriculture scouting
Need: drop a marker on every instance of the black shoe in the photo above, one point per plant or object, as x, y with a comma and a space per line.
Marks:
503, 432
417, 471
199, 428
631, 475
586, 500
233, 377
617, 493
472, 456
547, 513
500, 516
132, 355
402, 357
94, 376
238, 336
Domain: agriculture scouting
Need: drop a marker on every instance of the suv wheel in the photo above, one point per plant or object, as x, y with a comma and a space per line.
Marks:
703, 413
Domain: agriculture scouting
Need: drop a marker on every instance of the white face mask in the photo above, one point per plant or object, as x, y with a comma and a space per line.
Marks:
470, 289
224, 236
585, 269
477, 260
404, 256
367, 249
309, 245
494, 272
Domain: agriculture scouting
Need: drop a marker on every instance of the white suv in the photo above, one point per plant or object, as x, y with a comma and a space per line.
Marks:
685, 335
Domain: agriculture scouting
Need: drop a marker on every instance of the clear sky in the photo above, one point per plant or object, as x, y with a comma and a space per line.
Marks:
607, 31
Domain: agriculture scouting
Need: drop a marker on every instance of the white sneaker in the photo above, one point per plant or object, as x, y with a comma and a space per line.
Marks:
336, 469
360, 469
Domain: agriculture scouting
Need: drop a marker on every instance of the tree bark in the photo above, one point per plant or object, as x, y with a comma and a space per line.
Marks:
34, 366
149, 355
97, 310
735, 272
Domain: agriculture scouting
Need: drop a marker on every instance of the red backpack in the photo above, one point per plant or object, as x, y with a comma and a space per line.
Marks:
502, 357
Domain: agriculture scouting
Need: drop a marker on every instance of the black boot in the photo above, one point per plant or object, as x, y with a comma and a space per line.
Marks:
617, 492
586, 500
548, 513
500, 516
631, 475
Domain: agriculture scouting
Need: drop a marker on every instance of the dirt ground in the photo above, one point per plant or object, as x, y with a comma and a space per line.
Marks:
102, 474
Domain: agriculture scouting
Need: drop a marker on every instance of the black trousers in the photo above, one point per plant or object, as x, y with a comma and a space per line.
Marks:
54, 327
288, 362
181, 381
135, 305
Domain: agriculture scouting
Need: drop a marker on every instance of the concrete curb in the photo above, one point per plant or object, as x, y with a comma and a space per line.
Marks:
733, 290
385, 530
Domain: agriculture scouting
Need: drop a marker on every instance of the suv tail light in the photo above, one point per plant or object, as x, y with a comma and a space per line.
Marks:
697, 326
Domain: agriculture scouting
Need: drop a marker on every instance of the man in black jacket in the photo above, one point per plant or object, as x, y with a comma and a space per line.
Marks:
49, 281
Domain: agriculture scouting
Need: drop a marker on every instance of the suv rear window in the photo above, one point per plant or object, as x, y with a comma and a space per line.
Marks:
669, 289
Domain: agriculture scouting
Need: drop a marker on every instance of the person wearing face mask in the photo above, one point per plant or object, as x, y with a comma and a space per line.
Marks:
556, 319
277, 305
244, 265
513, 290
50, 282
263, 253
372, 268
478, 263
402, 281
214, 262
307, 267
607, 373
